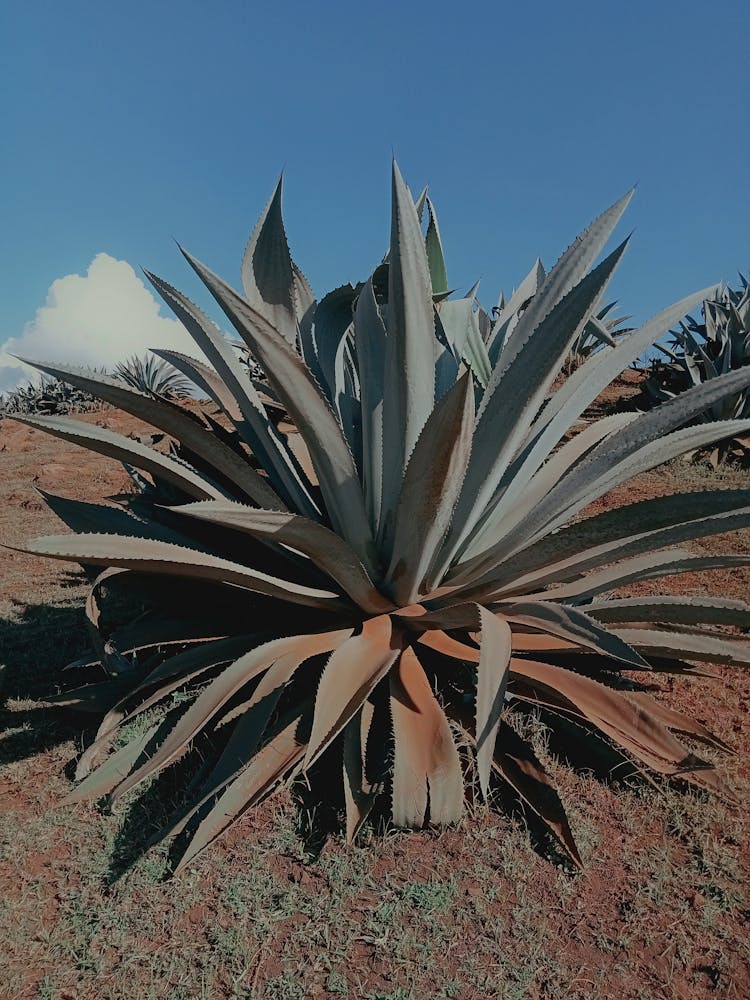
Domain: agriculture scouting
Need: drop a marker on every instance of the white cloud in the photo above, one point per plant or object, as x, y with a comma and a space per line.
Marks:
97, 319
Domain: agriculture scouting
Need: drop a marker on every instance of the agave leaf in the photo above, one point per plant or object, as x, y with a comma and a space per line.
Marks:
308, 407
506, 311
565, 275
171, 674
95, 698
632, 545
333, 317
541, 642
206, 378
409, 389
600, 538
326, 549
475, 354
153, 556
350, 675
443, 643
518, 765
106, 442
460, 326
347, 395
265, 770
510, 503
643, 567
574, 492
435, 255
501, 425
369, 338
425, 756
653, 454
677, 721
631, 726
171, 419
82, 517
359, 794
263, 438
651, 428
274, 285
213, 697
678, 609
492, 682
572, 624
163, 630
581, 389
114, 769
694, 647
599, 333
431, 486
251, 719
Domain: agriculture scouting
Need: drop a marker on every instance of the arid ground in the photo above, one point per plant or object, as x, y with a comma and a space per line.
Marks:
482, 911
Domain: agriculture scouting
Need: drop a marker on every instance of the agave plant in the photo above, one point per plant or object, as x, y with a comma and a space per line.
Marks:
700, 351
48, 395
411, 572
152, 374
602, 330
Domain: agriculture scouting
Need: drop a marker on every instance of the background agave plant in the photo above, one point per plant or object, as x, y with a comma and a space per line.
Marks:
388, 582
48, 395
602, 330
152, 374
700, 351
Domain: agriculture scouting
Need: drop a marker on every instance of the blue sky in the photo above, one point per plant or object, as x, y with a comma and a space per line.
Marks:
126, 125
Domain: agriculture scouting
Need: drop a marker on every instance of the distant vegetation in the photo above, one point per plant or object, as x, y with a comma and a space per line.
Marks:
50, 395
702, 350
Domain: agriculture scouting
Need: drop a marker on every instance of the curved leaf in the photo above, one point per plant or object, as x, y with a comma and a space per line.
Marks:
629, 725
274, 285
501, 424
435, 255
153, 556
572, 624
296, 388
369, 338
689, 645
678, 609
495, 650
172, 419
266, 769
210, 701
359, 792
431, 486
645, 567
263, 438
603, 535
425, 756
409, 389
518, 765
206, 378
322, 545
106, 442
351, 673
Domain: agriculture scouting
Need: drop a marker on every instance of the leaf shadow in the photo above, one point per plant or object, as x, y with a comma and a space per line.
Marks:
35, 646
